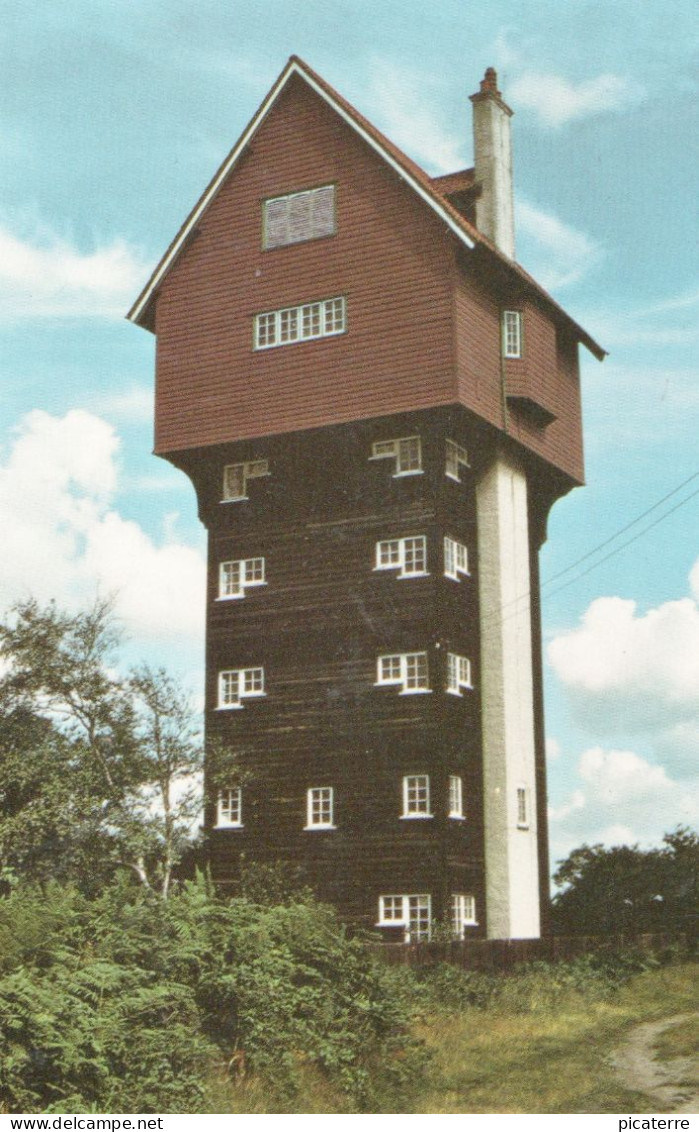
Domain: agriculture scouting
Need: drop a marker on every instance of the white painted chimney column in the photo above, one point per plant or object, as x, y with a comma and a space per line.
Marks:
492, 144
507, 704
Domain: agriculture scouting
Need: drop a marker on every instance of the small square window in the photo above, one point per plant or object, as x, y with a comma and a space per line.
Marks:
456, 796
406, 453
236, 476
413, 913
294, 217
463, 914
407, 669
319, 808
229, 808
512, 334
458, 673
407, 555
238, 575
236, 684
455, 559
416, 796
456, 459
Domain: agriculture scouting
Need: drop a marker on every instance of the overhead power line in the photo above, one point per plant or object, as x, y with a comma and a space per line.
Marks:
621, 531
501, 614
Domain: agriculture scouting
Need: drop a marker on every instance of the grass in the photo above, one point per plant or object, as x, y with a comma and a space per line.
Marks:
681, 1040
535, 1049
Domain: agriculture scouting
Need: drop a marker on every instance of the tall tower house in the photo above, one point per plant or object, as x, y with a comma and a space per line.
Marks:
377, 408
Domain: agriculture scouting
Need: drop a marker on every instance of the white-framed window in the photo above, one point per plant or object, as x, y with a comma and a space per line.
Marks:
456, 796
412, 913
236, 684
320, 808
408, 669
463, 913
455, 558
300, 324
458, 673
522, 808
406, 452
229, 808
512, 334
456, 459
407, 555
416, 796
238, 575
236, 476
295, 217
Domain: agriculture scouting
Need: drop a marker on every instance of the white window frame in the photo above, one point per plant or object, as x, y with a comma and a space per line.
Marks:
251, 572
456, 459
396, 553
416, 797
324, 318
248, 470
458, 674
317, 221
455, 559
229, 808
412, 912
320, 808
463, 914
404, 669
456, 797
236, 684
405, 451
512, 338
522, 801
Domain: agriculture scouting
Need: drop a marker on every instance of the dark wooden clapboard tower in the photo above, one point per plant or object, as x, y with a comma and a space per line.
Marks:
376, 407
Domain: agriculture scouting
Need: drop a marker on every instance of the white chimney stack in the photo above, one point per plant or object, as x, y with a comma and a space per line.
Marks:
492, 146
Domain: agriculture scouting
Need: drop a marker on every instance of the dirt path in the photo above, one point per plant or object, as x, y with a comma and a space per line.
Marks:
672, 1085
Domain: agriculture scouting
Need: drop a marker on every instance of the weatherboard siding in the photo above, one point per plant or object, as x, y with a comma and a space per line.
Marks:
390, 258
317, 628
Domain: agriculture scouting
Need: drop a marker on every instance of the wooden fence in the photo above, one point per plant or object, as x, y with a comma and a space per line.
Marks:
504, 954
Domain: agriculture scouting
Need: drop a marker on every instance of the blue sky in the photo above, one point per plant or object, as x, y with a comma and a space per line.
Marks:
114, 116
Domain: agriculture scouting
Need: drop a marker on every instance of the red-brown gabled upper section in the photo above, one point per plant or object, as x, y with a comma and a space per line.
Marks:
435, 192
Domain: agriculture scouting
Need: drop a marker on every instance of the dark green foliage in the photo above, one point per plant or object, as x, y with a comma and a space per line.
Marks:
629, 890
125, 1002
530, 986
97, 771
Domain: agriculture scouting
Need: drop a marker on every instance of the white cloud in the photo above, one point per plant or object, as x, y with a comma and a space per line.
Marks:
555, 253
620, 798
133, 405
409, 120
47, 277
557, 101
628, 673
63, 539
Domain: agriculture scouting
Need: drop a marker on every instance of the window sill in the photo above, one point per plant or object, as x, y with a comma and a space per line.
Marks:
453, 478
411, 472
416, 692
240, 596
236, 499
228, 707
523, 825
318, 828
457, 817
416, 574
416, 817
229, 825
459, 576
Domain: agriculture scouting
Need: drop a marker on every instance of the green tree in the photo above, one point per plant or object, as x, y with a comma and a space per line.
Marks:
97, 770
628, 889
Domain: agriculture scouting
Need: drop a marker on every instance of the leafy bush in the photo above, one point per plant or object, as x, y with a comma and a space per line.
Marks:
127, 1001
